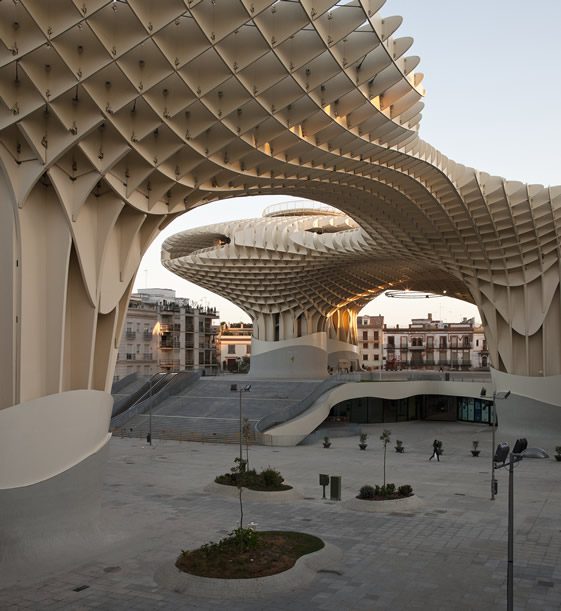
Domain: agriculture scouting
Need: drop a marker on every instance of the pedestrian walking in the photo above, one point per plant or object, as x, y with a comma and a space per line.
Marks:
435, 450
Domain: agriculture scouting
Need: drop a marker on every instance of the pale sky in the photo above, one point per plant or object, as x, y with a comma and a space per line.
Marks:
493, 91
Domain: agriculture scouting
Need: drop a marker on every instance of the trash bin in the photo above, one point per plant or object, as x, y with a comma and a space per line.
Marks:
335, 488
233, 387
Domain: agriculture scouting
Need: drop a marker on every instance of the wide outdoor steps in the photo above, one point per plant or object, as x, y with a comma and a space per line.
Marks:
208, 410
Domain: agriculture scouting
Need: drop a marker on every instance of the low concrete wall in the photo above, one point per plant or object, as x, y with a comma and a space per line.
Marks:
44, 437
293, 432
544, 389
53, 522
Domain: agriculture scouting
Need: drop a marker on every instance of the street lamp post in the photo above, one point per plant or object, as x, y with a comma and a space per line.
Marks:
150, 412
241, 390
156, 331
493, 419
517, 454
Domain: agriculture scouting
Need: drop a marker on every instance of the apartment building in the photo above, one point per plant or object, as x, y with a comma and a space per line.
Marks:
434, 344
371, 341
233, 346
166, 333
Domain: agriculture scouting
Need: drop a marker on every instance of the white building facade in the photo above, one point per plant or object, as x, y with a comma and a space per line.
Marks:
434, 344
166, 333
233, 346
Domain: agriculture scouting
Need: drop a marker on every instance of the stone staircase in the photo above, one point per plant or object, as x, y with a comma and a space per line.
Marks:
208, 410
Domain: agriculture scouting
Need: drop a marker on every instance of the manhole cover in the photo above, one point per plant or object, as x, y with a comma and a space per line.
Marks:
80, 588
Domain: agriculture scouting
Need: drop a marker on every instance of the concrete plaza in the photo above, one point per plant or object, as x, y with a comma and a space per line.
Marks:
448, 554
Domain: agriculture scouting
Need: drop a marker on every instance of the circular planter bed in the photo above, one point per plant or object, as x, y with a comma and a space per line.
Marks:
249, 494
385, 505
280, 562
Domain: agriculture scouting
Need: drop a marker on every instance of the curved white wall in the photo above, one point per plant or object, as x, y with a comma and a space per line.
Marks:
300, 357
42, 438
545, 389
293, 432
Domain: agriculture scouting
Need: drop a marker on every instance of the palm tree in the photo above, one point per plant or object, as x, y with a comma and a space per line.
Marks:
385, 437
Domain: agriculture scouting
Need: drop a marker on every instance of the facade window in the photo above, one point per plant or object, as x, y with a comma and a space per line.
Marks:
231, 349
376, 357
391, 341
403, 342
365, 345
248, 349
137, 348
477, 342
430, 341
365, 335
376, 335
376, 344
365, 357
442, 342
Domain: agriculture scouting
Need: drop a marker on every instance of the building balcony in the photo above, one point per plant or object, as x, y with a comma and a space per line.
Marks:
169, 346
169, 364
131, 334
417, 348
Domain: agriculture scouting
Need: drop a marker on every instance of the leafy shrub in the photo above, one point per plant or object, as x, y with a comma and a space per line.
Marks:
249, 536
405, 490
268, 479
367, 492
271, 477
389, 490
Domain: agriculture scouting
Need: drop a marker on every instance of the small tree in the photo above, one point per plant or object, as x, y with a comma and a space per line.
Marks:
385, 437
246, 435
239, 470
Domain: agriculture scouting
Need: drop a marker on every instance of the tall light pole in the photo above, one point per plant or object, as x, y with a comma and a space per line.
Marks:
156, 331
493, 419
241, 390
517, 454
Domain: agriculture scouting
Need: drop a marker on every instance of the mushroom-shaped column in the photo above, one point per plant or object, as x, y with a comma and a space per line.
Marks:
294, 272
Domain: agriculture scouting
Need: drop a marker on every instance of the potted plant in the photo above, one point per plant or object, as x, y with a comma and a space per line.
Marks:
475, 451
362, 441
558, 453
326, 442
399, 447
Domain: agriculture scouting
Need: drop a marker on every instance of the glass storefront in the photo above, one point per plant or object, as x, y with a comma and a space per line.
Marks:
474, 410
365, 410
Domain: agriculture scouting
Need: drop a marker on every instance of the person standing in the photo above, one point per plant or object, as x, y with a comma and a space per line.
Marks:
435, 450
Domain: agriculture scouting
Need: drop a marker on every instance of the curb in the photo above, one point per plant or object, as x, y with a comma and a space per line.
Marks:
300, 575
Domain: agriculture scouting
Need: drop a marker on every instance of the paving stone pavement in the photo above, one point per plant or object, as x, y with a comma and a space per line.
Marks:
448, 554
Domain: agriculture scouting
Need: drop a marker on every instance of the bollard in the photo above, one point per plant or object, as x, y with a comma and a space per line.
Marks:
335, 488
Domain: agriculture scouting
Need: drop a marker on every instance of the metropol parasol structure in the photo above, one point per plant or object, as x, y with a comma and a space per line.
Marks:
117, 116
